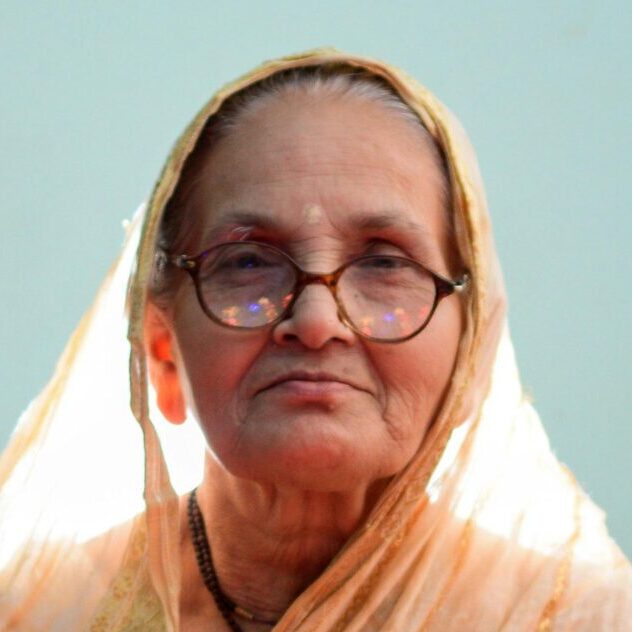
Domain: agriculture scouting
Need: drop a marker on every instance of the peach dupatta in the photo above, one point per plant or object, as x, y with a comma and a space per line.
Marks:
484, 530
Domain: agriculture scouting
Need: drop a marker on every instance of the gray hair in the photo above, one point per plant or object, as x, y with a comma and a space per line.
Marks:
319, 82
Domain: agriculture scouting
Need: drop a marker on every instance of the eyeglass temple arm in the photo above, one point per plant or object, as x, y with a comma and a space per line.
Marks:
445, 287
182, 261
462, 282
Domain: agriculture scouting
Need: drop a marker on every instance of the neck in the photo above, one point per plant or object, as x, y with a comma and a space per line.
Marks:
269, 543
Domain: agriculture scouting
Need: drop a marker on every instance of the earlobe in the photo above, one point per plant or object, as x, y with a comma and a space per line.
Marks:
163, 371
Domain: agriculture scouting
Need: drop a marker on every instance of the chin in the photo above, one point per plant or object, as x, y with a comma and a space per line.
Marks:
316, 461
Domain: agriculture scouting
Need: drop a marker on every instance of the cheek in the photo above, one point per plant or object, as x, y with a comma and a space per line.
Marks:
417, 373
212, 364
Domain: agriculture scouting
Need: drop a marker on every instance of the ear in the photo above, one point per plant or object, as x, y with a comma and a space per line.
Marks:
163, 372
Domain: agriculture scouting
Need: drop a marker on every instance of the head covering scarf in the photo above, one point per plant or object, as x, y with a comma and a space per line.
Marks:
483, 530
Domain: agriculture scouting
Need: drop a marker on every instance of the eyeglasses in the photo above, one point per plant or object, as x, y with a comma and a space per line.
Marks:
248, 285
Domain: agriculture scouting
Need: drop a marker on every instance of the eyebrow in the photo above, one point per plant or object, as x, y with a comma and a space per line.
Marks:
240, 218
384, 220
392, 220
353, 222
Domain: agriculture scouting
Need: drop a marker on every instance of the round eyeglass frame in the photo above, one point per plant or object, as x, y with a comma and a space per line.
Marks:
192, 265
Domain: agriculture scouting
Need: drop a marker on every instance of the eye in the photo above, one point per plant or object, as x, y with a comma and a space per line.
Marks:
240, 264
381, 246
245, 262
238, 258
385, 262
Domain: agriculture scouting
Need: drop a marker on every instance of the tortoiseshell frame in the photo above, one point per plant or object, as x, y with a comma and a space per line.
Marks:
444, 287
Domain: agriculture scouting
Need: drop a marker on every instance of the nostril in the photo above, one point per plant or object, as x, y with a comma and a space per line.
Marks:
289, 337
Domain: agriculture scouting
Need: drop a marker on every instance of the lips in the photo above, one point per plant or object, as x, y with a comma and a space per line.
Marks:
310, 378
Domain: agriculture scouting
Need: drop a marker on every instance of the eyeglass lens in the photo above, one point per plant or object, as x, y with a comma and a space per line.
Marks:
250, 285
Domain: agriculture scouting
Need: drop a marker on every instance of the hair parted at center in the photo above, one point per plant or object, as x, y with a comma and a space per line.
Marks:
319, 82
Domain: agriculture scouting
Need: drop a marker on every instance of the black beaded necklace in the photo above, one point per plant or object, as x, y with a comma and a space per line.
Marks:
227, 607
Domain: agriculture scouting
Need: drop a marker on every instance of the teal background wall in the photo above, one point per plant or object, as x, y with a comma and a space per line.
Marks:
93, 94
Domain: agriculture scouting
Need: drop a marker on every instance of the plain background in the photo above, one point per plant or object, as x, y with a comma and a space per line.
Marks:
93, 95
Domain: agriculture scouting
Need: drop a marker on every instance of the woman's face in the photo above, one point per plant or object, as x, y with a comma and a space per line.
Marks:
308, 402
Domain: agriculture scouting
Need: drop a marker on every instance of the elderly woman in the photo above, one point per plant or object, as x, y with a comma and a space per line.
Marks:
316, 285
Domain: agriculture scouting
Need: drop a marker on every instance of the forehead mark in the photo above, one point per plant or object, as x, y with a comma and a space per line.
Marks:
313, 214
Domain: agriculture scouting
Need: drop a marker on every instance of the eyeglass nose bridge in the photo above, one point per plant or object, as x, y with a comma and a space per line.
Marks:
328, 279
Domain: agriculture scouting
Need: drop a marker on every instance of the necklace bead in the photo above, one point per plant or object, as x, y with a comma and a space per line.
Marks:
227, 607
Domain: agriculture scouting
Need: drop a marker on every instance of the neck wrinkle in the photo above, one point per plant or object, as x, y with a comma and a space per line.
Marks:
268, 545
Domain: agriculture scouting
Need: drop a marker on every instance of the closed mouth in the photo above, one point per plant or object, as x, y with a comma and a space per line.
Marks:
307, 376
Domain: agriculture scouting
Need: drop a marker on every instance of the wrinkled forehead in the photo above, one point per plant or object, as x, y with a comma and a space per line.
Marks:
282, 127
438, 121
419, 100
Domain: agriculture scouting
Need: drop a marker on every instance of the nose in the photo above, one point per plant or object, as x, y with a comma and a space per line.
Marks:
314, 320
